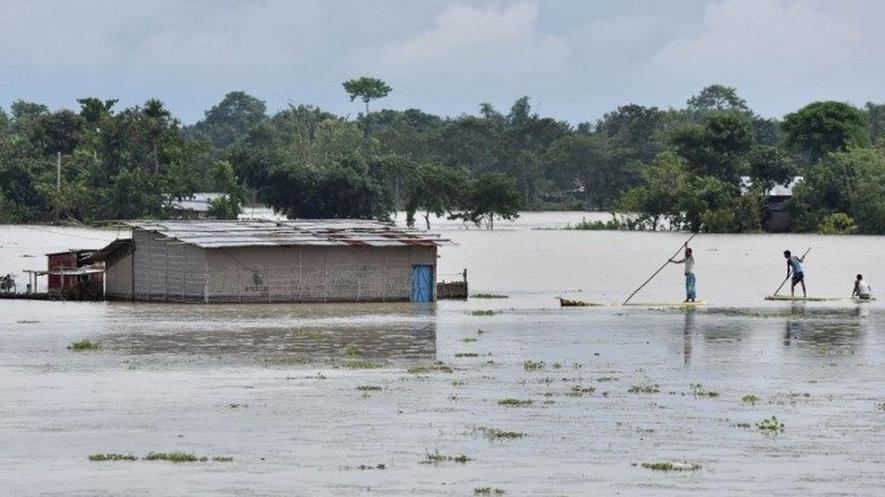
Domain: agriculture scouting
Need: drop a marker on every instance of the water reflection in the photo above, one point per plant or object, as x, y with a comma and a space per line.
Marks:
687, 334
282, 334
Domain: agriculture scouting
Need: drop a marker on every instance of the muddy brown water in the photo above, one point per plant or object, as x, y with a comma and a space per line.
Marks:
276, 386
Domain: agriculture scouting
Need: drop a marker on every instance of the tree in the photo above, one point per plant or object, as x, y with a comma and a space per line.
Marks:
230, 119
366, 89
876, 113
770, 166
228, 205
585, 163
851, 183
717, 98
491, 196
93, 109
434, 189
158, 119
823, 127
718, 148
657, 199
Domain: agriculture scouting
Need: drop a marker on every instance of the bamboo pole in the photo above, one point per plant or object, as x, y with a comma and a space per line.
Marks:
659, 269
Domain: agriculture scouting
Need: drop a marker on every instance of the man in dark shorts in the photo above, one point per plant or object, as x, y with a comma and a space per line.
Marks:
794, 266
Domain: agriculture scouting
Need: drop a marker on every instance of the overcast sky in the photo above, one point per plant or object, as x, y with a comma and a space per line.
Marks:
576, 59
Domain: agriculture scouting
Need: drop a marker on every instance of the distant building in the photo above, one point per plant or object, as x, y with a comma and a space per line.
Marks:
196, 206
775, 208
269, 261
70, 270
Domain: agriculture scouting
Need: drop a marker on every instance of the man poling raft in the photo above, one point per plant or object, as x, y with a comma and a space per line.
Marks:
794, 267
690, 279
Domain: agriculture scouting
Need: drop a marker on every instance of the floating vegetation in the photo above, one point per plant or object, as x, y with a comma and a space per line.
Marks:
549, 402
27, 321
515, 402
353, 351
557, 365
488, 296
603, 379
466, 354
459, 383
367, 467
750, 399
361, 364
698, 391
369, 388
671, 466
181, 457
486, 312
652, 388
745, 426
579, 391
771, 425
112, 457
495, 434
488, 491
237, 405
531, 365
437, 367
286, 360
468, 339
84, 345
436, 458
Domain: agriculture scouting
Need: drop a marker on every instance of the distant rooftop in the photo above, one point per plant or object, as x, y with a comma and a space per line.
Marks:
196, 202
298, 232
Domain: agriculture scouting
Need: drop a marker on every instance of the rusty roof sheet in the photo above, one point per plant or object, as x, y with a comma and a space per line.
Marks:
299, 232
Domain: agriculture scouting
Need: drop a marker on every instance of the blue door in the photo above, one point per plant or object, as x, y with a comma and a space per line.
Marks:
422, 283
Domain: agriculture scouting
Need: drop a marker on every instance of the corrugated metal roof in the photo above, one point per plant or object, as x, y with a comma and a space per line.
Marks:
298, 232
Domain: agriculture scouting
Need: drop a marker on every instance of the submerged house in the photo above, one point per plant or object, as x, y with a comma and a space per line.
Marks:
271, 261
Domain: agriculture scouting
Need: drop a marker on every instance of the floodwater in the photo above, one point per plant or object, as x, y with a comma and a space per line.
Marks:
277, 387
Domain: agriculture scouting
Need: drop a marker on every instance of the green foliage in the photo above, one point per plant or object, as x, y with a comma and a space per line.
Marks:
838, 223
84, 345
489, 197
434, 189
823, 127
230, 119
717, 98
366, 89
228, 205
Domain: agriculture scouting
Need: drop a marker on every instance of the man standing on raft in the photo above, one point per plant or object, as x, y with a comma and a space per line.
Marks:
794, 267
690, 279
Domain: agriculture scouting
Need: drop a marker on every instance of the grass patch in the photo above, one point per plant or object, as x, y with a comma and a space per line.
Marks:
650, 388
531, 365
698, 391
176, 457
488, 296
486, 312
488, 491
361, 364
437, 367
579, 391
290, 360
366, 467
771, 425
436, 458
112, 457
515, 402
495, 434
353, 351
466, 354
671, 466
84, 345
369, 388
750, 399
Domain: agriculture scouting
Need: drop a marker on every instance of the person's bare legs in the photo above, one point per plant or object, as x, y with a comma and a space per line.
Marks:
804, 294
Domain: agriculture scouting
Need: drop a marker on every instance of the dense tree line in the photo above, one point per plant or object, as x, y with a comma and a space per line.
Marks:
704, 167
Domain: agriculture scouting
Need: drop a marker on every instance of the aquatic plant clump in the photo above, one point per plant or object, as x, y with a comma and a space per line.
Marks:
84, 345
495, 434
652, 388
750, 399
579, 391
482, 313
360, 364
698, 391
670, 466
488, 491
436, 458
368, 388
515, 402
531, 365
771, 424
466, 354
488, 296
112, 457
437, 367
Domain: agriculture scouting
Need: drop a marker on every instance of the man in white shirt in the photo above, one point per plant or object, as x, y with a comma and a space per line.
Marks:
862, 289
690, 280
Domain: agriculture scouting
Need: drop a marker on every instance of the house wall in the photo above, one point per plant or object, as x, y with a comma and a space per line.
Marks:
61, 261
119, 279
166, 270
314, 274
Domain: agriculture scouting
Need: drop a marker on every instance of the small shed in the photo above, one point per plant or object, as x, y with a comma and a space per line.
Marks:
70, 269
271, 261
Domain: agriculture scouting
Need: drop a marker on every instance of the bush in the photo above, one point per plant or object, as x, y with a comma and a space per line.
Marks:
837, 224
